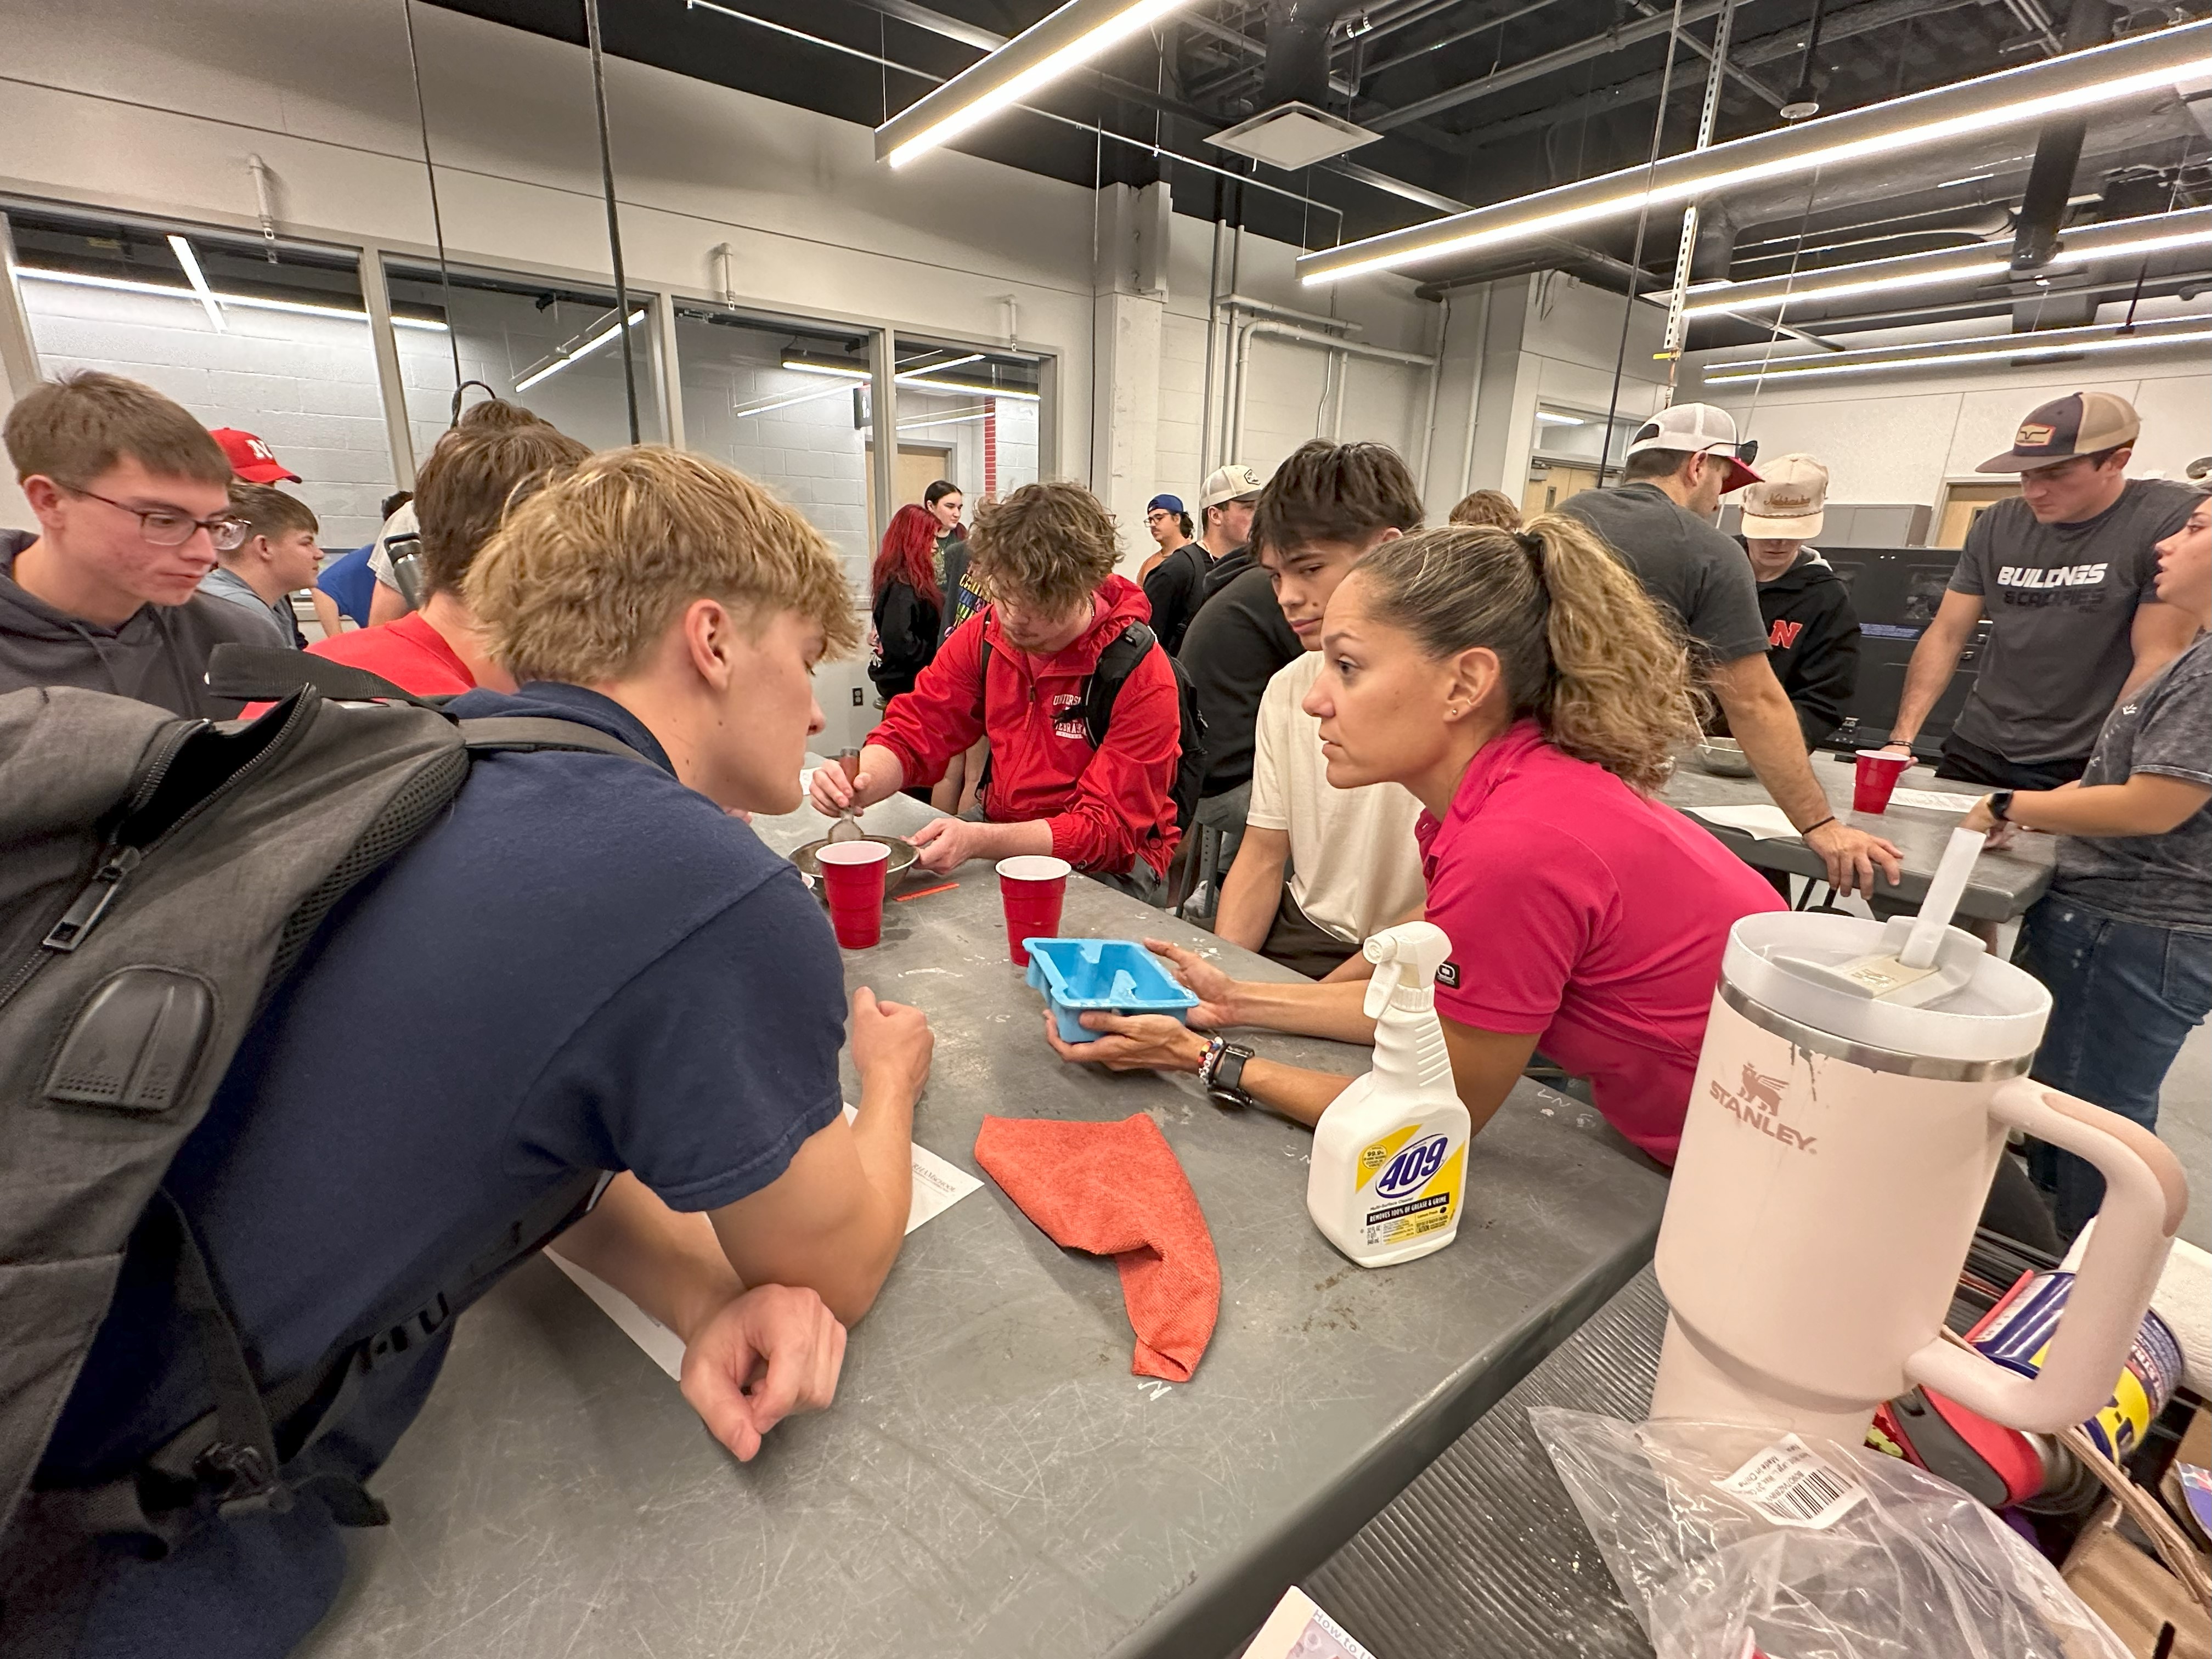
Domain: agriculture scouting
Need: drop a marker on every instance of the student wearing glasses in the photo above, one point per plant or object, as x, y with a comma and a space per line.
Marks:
133, 503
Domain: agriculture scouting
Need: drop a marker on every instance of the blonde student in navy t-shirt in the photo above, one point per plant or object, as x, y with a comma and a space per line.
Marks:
1531, 694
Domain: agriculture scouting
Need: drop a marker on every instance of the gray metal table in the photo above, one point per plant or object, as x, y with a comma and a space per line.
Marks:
1484, 1553
991, 1478
2003, 884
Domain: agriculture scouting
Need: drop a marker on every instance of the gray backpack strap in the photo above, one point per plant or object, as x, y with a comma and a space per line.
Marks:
264, 673
528, 733
133, 960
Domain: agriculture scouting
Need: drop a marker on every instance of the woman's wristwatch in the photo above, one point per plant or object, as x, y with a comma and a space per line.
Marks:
2001, 807
1222, 1072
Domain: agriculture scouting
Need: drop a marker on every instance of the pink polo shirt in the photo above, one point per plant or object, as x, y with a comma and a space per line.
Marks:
1590, 916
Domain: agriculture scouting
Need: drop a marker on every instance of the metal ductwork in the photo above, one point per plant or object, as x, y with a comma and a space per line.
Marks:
1296, 66
1715, 251
2049, 192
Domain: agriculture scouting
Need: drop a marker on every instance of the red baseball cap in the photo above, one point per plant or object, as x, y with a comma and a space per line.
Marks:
250, 459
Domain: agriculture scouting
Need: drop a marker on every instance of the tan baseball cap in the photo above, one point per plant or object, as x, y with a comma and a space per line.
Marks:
2080, 423
1790, 501
1233, 482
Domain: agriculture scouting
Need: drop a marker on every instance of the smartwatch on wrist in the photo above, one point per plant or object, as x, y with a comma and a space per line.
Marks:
2001, 807
1222, 1072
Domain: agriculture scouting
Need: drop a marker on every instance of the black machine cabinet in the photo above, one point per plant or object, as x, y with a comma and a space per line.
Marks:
1896, 591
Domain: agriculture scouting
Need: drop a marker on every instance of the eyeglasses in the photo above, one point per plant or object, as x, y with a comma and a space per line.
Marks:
165, 526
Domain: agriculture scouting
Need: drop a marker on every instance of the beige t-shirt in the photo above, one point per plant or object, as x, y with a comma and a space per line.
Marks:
1355, 867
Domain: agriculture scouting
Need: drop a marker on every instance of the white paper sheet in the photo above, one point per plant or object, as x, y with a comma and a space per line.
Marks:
1298, 1629
1935, 800
938, 1185
662, 1345
1762, 823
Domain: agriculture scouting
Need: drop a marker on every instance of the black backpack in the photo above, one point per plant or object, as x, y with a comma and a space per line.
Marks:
1103, 689
159, 878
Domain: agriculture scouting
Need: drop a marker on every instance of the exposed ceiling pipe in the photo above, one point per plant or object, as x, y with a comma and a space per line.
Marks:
2057, 153
1717, 57
1468, 32
1857, 20
1513, 74
1805, 96
2050, 187
1296, 66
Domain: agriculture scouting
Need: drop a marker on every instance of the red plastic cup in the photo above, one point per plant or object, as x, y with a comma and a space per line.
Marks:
852, 882
1877, 777
1032, 888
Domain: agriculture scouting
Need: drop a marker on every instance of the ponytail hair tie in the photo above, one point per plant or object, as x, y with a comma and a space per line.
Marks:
1532, 545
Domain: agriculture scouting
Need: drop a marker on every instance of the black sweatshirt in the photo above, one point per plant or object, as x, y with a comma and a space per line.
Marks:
1236, 642
905, 640
1813, 641
1174, 592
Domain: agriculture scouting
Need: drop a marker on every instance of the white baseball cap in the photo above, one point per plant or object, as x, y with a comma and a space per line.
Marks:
1700, 429
1790, 501
1233, 482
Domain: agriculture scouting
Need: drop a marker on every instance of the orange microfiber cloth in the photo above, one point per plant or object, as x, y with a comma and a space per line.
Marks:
1115, 1189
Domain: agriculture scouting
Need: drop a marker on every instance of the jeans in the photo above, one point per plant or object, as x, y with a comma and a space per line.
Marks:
2123, 996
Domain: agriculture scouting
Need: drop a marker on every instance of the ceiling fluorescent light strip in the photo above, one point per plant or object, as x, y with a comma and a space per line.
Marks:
967, 386
582, 351
233, 302
1985, 348
1977, 269
917, 377
1075, 34
198, 278
2058, 86
2085, 245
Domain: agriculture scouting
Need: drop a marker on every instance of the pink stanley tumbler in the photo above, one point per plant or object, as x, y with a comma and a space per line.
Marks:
1031, 887
853, 881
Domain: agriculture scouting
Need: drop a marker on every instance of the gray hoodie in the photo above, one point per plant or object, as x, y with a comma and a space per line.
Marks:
158, 655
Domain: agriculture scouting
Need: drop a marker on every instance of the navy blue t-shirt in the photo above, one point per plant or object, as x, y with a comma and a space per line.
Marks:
584, 966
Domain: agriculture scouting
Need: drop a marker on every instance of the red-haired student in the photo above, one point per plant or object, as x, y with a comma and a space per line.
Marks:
908, 595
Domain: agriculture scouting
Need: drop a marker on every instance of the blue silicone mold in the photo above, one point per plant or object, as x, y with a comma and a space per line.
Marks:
1081, 977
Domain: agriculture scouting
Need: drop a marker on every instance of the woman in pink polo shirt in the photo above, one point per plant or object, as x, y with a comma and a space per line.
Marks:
1529, 693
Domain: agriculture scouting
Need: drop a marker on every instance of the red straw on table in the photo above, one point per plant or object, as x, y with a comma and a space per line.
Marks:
852, 882
1031, 887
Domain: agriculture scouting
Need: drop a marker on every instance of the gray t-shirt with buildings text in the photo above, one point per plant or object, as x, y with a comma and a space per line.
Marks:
2061, 599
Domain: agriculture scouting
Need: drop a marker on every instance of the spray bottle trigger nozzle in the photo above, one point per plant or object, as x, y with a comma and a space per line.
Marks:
1383, 982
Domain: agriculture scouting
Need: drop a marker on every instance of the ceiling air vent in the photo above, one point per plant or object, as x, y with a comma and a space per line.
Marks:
1292, 136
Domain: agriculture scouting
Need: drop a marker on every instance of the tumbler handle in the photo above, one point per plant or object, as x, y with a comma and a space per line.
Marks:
2146, 1196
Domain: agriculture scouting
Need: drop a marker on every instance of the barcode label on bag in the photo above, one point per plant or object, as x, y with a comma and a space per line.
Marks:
1793, 1486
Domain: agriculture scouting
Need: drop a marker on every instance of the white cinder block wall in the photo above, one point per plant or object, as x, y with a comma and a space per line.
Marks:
306, 385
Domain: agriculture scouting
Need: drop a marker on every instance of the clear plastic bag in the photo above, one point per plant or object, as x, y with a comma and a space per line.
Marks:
1810, 1551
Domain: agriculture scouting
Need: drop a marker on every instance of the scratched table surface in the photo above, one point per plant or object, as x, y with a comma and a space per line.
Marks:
993, 1479
2003, 886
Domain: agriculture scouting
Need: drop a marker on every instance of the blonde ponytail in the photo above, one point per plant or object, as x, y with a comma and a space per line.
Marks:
1584, 648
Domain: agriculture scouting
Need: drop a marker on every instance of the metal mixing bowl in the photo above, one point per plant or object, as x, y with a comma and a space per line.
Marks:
902, 864
1724, 758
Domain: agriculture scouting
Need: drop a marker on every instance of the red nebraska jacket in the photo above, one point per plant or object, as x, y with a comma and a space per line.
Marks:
1108, 807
